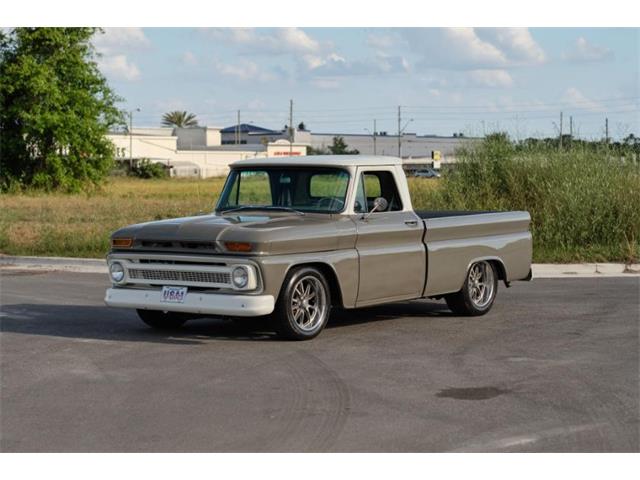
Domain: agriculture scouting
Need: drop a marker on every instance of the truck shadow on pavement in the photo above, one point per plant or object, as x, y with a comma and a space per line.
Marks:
90, 322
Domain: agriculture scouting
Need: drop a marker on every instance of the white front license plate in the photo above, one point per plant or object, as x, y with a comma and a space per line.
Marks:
173, 294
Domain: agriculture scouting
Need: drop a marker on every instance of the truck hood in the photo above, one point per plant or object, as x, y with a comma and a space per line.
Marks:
269, 233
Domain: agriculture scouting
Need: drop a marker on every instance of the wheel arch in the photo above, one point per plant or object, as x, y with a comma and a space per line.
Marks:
335, 289
497, 263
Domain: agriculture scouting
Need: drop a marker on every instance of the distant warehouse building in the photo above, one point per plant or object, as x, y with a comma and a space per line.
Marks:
208, 151
415, 149
194, 151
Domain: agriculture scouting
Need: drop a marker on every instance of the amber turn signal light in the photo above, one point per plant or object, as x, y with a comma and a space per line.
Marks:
238, 246
121, 242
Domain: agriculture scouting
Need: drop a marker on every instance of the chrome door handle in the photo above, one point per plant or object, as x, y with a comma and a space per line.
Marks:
411, 223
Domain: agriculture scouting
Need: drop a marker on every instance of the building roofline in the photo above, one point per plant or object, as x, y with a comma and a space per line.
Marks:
436, 137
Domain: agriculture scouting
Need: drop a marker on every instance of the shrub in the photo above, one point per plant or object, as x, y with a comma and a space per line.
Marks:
147, 169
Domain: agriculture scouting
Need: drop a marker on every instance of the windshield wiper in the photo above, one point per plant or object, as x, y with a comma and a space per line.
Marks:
262, 207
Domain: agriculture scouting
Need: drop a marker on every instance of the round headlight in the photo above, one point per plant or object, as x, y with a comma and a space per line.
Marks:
117, 272
239, 277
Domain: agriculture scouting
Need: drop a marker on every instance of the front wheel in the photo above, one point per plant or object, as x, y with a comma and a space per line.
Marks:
162, 320
478, 292
303, 306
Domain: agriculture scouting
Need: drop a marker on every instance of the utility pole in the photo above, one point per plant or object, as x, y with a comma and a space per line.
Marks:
131, 137
571, 126
374, 137
560, 130
290, 128
238, 129
399, 132
606, 130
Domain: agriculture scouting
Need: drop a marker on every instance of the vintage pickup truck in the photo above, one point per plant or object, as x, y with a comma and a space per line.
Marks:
292, 237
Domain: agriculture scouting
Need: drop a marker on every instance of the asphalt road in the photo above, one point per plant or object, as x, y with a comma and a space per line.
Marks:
553, 367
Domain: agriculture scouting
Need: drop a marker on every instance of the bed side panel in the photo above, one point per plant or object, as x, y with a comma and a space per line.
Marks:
453, 243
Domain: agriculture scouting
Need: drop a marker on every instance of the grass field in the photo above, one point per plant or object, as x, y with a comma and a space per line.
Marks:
79, 225
582, 208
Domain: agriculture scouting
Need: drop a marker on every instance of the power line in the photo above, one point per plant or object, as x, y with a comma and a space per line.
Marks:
529, 104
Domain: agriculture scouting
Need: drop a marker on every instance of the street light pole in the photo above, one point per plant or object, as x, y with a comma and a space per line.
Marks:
399, 132
131, 137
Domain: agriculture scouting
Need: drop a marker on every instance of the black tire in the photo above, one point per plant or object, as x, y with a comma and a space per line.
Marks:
463, 303
289, 322
162, 320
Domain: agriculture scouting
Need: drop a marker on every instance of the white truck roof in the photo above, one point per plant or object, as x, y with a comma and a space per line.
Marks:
321, 161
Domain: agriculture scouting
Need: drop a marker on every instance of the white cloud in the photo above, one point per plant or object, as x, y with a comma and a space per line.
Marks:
517, 44
313, 58
381, 42
452, 48
121, 38
491, 78
584, 51
113, 46
274, 41
332, 61
472, 48
244, 70
577, 99
119, 67
336, 65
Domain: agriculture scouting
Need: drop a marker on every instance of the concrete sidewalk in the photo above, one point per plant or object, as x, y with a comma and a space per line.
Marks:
540, 270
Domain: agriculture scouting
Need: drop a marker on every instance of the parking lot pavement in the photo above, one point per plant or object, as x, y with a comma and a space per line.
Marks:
553, 367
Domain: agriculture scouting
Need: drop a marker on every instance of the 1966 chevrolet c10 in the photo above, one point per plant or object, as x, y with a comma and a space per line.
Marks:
292, 237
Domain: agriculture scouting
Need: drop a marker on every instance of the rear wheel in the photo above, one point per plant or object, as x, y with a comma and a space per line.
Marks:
304, 304
478, 292
162, 320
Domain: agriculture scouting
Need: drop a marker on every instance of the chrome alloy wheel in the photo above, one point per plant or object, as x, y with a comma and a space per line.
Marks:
308, 303
481, 284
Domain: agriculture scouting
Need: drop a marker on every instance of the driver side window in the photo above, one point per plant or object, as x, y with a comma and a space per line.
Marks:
372, 185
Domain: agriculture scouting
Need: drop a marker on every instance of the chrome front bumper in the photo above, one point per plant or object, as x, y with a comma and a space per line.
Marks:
195, 302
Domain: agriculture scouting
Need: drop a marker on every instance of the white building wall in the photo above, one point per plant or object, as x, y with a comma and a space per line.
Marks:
143, 146
202, 162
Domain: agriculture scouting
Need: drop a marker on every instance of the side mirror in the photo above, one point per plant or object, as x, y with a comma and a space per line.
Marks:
380, 204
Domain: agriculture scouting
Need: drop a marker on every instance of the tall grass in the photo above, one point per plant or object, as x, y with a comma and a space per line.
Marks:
79, 225
584, 202
585, 205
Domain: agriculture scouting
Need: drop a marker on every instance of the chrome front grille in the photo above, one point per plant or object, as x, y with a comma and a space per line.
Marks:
186, 276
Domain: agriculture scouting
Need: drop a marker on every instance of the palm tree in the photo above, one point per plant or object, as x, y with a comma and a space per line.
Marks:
179, 119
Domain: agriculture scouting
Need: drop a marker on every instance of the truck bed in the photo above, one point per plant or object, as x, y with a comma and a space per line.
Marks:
455, 239
426, 214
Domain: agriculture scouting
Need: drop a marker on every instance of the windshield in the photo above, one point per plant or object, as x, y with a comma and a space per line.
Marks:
305, 189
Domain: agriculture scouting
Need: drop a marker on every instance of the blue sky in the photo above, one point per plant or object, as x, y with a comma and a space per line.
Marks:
341, 79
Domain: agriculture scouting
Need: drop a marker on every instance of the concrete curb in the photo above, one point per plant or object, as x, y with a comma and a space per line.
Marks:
585, 270
540, 270
83, 265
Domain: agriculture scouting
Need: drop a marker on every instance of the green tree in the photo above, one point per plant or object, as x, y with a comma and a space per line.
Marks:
179, 119
55, 109
339, 147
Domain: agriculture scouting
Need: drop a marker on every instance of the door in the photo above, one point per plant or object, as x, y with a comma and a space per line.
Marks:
389, 243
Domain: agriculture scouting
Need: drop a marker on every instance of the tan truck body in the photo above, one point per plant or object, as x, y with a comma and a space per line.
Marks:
368, 259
